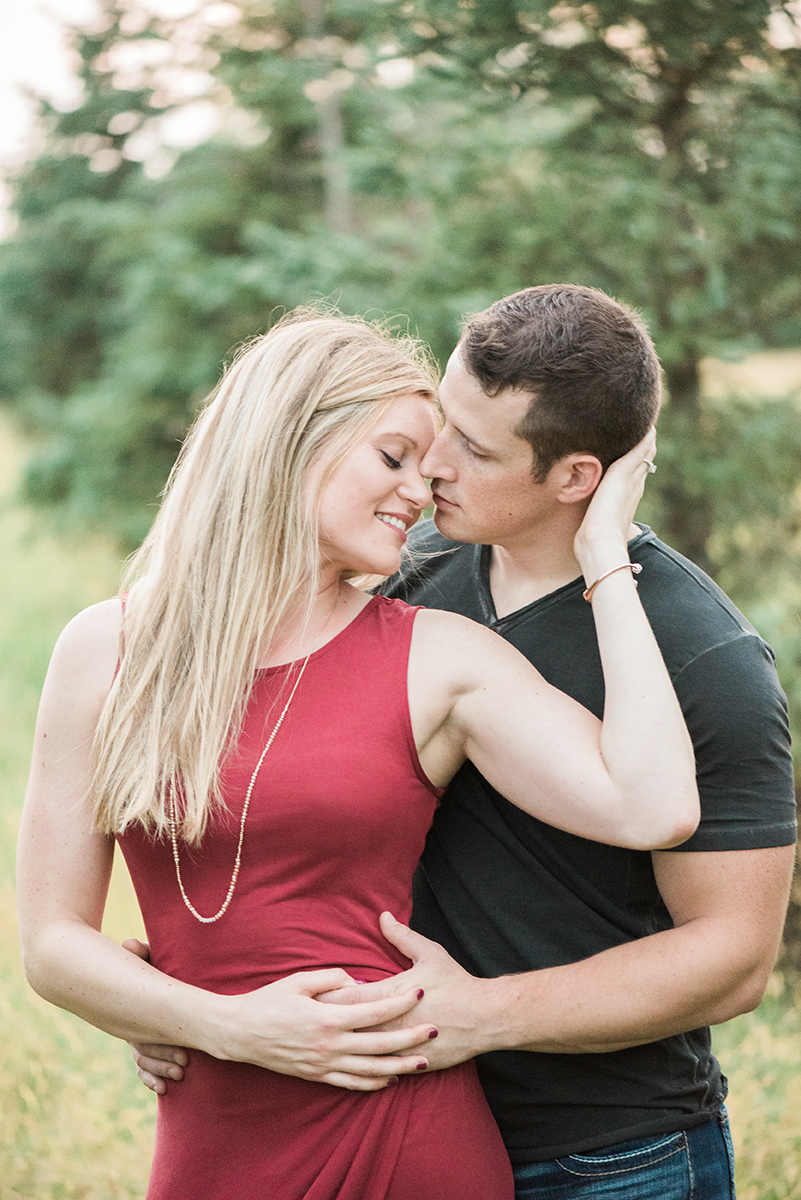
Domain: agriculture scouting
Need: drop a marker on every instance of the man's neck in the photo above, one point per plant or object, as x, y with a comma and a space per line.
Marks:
519, 576
524, 572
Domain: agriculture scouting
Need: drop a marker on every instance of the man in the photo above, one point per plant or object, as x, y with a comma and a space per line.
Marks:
585, 976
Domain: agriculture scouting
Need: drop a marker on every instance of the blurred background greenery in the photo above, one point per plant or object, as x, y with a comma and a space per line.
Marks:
414, 159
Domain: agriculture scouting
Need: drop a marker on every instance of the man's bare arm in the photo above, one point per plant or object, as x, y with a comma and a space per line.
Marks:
728, 908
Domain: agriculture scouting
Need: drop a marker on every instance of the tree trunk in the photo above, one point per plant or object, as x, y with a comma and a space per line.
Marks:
338, 211
689, 510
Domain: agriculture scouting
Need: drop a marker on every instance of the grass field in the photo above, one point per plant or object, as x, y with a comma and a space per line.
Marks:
74, 1121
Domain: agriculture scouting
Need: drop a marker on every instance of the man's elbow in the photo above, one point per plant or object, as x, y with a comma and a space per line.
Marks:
753, 991
745, 995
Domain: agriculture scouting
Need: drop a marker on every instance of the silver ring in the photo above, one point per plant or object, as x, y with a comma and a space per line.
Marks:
650, 466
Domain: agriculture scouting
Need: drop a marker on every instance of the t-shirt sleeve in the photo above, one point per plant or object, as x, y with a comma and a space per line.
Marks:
736, 712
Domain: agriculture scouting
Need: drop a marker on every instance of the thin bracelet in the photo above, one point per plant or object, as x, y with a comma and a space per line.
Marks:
635, 569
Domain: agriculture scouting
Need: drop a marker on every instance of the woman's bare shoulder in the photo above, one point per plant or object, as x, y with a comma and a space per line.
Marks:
456, 629
89, 646
464, 643
448, 624
95, 626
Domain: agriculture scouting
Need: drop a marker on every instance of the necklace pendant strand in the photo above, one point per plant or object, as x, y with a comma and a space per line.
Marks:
235, 873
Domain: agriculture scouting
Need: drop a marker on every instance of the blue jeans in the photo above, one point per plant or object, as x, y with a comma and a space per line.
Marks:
694, 1164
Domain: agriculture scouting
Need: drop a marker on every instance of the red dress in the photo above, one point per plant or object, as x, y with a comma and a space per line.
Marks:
337, 822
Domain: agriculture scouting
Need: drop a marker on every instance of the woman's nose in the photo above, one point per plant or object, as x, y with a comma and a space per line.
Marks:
415, 489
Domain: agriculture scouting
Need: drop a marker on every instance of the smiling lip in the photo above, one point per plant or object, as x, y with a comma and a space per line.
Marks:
406, 520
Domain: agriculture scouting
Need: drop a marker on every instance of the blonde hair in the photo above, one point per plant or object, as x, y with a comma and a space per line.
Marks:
231, 553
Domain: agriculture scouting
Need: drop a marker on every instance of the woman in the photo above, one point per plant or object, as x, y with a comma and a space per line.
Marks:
268, 744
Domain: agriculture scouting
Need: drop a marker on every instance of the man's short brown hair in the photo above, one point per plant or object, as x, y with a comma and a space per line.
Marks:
587, 360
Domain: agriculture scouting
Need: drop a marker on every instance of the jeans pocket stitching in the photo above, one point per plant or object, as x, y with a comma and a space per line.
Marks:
624, 1169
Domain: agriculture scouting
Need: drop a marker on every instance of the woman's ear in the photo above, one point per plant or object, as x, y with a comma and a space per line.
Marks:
579, 476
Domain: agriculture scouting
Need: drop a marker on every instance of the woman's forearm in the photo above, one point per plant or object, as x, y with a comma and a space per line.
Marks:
629, 780
281, 1027
644, 740
74, 966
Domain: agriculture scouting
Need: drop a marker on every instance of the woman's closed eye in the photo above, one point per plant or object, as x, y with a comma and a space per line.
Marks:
392, 462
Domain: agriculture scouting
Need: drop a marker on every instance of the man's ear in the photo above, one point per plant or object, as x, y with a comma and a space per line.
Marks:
577, 477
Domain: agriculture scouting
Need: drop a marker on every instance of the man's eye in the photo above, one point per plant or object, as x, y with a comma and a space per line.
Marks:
392, 462
469, 447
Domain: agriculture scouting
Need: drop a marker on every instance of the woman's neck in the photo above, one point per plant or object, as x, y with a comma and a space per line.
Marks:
334, 606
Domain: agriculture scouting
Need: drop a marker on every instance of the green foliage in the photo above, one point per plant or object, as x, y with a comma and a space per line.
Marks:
648, 148
122, 295
670, 177
74, 1122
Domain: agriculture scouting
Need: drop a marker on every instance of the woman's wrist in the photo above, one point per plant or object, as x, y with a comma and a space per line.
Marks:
596, 559
206, 1023
634, 568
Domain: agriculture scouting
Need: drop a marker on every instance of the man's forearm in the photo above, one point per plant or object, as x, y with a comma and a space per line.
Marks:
632, 994
715, 962
636, 993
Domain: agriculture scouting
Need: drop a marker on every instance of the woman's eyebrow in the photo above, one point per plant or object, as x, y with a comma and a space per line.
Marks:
402, 437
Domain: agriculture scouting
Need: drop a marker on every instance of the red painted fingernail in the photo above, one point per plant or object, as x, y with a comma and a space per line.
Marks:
420, 993
392, 1079
421, 1066
432, 1033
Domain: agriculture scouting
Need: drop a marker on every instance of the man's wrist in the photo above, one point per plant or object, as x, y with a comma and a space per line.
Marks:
497, 1005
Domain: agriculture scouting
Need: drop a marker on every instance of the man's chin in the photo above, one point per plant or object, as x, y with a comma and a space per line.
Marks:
441, 520
450, 526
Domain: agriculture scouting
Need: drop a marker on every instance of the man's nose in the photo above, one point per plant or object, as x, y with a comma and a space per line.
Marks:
436, 464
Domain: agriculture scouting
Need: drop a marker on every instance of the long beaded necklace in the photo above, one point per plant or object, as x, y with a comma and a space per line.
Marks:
235, 874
